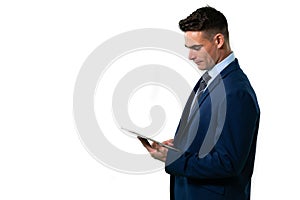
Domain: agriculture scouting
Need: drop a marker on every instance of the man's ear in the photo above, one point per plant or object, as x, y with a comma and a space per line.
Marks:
219, 40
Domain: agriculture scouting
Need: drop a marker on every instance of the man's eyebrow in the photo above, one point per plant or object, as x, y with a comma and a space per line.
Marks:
194, 46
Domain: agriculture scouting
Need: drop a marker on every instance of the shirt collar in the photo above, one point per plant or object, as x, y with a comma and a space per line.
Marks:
218, 68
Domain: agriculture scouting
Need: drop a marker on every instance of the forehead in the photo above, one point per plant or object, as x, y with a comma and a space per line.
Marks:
194, 37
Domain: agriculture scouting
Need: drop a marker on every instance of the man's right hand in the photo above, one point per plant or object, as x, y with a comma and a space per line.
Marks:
156, 151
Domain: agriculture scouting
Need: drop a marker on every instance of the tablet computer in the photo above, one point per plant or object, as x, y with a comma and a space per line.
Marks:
147, 138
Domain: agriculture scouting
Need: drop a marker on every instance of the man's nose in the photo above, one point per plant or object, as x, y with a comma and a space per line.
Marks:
191, 54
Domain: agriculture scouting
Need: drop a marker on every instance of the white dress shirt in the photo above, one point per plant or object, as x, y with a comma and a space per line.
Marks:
218, 68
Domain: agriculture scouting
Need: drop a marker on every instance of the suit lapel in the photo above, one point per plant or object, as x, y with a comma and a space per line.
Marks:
205, 94
185, 113
231, 67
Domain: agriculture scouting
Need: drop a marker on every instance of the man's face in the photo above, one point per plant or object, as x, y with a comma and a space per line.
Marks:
202, 50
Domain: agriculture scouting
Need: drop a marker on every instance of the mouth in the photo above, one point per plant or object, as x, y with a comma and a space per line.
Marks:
198, 62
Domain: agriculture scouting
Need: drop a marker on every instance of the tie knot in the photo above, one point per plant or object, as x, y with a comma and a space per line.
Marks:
206, 77
204, 80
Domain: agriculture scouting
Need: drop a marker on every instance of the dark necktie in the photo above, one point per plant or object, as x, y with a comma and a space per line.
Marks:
203, 84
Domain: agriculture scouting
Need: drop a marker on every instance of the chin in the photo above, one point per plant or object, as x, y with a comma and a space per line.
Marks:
201, 67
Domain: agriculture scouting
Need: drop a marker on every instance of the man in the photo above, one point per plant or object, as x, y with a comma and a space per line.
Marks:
218, 128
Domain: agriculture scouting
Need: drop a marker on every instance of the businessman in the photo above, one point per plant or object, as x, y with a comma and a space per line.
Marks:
218, 128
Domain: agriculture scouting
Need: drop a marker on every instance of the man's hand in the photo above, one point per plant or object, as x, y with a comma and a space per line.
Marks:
156, 151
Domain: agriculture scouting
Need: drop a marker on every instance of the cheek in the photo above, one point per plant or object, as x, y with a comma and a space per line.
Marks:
211, 54
206, 55
203, 54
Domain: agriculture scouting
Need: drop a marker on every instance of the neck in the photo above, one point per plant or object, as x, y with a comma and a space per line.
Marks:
224, 52
223, 56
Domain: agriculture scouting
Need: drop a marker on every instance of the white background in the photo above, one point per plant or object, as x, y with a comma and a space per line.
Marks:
42, 47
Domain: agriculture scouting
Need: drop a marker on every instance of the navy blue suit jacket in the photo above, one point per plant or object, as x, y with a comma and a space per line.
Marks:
218, 142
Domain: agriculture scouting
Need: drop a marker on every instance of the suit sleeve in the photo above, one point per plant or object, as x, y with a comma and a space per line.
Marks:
229, 155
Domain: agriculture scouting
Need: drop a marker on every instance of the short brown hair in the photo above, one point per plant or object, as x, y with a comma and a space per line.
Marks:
206, 19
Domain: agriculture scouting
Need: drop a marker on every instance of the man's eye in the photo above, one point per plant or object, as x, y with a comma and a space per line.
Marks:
197, 48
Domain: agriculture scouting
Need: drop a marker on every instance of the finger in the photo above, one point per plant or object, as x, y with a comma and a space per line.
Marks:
160, 154
168, 142
146, 144
171, 141
155, 145
162, 150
